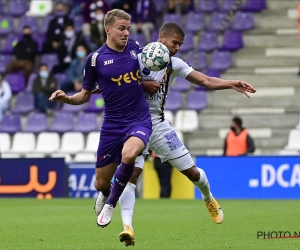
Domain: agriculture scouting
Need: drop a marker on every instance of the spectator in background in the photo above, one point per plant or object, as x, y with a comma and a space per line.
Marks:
5, 95
25, 52
126, 5
75, 74
98, 34
56, 27
144, 18
43, 86
238, 142
164, 171
180, 6
66, 50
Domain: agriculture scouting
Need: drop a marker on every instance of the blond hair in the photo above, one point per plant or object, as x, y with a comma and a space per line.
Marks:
113, 15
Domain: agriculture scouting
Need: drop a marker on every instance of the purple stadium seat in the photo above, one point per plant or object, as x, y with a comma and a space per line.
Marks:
11, 41
78, 22
4, 60
86, 122
6, 25
31, 21
17, 7
174, 101
1, 7
36, 123
196, 100
30, 82
63, 122
227, 5
195, 22
254, 5
39, 38
212, 73
16, 82
11, 123
24, 103
197, 60
208, 5
180, 84
154, 36
46, 21
72, 108
243, 21
139, 37
217, 22
95, 104
208, 41
60, 79
172, 18
50, 59
232, 40
188, 43
220, 60
160, 5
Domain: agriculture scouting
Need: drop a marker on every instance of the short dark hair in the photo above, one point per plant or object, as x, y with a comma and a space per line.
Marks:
43, 65
26, 27
238, 121
171, 27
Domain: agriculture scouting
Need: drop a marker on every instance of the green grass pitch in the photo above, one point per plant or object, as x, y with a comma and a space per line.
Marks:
159, 224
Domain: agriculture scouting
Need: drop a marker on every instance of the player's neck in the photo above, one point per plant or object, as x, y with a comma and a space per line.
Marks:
113, 46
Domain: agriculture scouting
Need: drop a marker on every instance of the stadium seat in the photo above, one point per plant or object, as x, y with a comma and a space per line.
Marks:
197, 60
67, 157
232, 41
62, 77
17, 7
4, 143
220, 60
86, 122
154, 36
254, 5
11, 123
24, 103
289, 152
4, 60
208, 41
46, 21
31, 21
34, 155
169, 116
50, 59
227, 5
85, 157
40, 8
23, 143
10, 42
139, 37
1, 7
10, 155
47, 143
71, 143
180, 84
174, 101
40, 39
92, 142
212, 73
188, 43
72, 108
95, 104
196, 100
78, 22
6, 25
30, 82
208, 5
294, 140
243, 21
16, 82
172, 18
63, 122
195, 22
186, 120
36, 123
217, 22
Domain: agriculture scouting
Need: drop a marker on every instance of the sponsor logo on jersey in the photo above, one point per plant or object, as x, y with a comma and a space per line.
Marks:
128, 77
94, 58
108, 62
140, 132
146, 72
133, 54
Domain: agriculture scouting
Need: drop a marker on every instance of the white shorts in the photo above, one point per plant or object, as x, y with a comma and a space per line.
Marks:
165, 143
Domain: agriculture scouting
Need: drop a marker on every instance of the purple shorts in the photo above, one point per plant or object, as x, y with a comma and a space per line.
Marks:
111, 144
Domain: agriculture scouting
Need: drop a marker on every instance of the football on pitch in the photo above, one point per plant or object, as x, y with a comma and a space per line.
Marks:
155, 56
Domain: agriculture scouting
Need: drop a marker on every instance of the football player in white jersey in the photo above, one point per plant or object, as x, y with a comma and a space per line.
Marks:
164, 141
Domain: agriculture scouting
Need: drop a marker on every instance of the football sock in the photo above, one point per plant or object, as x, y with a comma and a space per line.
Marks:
106, 191
203, 185
127, 201
122, 176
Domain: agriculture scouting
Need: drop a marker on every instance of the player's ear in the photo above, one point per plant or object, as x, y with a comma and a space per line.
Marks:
107, 29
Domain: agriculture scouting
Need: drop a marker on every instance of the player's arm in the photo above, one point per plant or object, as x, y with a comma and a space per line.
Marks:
79, 98
214, 83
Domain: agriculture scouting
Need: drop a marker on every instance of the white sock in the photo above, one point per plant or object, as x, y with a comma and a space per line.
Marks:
203, 185
127, 201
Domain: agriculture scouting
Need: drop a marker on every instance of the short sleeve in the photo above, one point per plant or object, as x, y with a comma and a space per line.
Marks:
90, 72
181, 68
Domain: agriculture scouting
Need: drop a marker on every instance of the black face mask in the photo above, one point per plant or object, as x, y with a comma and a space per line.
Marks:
27, 37
233, 129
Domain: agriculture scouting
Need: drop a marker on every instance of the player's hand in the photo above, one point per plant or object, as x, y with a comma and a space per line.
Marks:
243, 87
97, 90
59, 95
151, 87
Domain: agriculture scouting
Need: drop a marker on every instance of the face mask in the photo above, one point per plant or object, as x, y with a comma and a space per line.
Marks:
232, 128
60, 13
80, 54
44, 74
69, 33
27, 36
99, 17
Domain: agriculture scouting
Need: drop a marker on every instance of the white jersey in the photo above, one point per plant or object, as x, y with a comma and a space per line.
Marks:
158, 100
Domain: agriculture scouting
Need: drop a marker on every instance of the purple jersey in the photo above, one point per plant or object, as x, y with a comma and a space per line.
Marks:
119, 78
